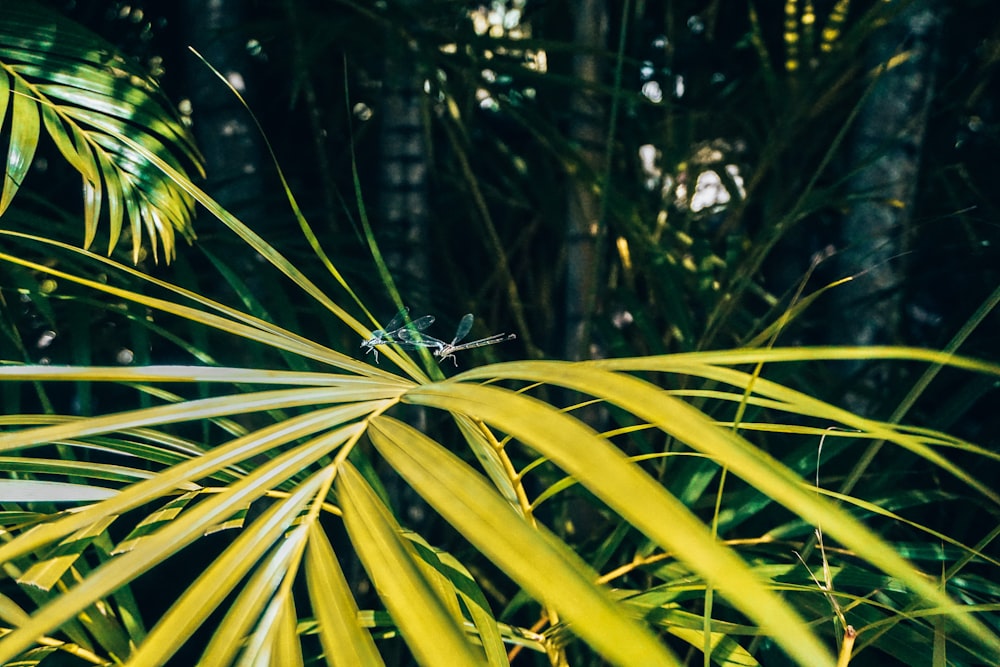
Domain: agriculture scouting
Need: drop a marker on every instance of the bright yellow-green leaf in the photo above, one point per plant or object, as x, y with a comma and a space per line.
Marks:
427, 627
11, 613
725, 651
218, 458
173, 537
155, 520
46, 573
92, 200
696, 430
530, 555
471, 595
223, 456
134, 218
246, 616
226, 573
37, 491
488, 456
262, 646
345, 642
193, 410
288, 648
4, 98
235, 322
431, 571
624, 486
81, 160
24, 130
116, 206
271, 255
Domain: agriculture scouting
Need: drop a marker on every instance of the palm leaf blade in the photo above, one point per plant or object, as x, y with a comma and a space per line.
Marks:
533, 559
639, 499
225, 574
466, 589
23, 140
344, 641
427, 627
167, 541
4, 95
765, 473
89, 95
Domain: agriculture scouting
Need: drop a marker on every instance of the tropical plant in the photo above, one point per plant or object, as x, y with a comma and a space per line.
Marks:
719, 513
308, 465
96, 105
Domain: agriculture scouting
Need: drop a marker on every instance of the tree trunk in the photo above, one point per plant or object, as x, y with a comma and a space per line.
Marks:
223, 128
403, 195
587, 129
888, 140
403, 205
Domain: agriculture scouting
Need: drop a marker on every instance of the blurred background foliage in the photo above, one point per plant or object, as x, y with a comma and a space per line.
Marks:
724, 177
647, 177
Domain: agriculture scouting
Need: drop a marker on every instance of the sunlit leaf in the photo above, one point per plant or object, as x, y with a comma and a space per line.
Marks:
36, 491
46, 573
692, 427
25, 123
531, 556
427, 627
288, 649
87, 94
4, 95
345, 642
627, 489
165, 542
154, 521
473, 599
225, 574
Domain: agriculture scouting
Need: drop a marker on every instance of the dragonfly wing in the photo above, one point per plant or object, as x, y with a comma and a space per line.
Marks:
409, 334
464, 327
396, 322
420, 323
411, 339
381, 336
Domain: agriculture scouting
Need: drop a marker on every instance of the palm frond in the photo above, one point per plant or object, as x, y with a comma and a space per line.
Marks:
298, 469
58, 77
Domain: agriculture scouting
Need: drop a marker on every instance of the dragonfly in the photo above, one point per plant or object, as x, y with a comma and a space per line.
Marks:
446, 350
398, 332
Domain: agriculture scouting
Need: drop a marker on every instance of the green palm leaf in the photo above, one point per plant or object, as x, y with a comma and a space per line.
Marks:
335, 607
422, 615
295, 473
56, 75
230, 475
530, 555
